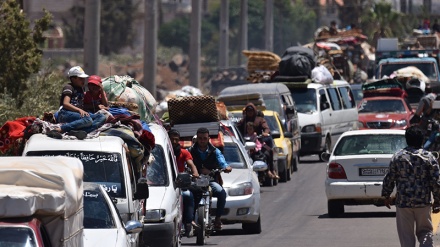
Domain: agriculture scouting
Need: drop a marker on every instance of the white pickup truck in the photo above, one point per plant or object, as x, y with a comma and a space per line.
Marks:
41, 201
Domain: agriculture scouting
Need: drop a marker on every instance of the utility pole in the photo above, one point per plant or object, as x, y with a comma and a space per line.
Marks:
194, 44
224, 34
150, 45
268, 25
243, 29
427, 5
91, 36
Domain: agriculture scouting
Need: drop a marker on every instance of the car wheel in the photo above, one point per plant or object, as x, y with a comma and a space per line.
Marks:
295, 162
288, 173
335, 208
283, 173
252, 228
268, 182
326, 148
200, 232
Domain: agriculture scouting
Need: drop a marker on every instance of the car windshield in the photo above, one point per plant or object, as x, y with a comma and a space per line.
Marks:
389, 105
17, 237
97, 213
157, 169
233, 156
272, 103
272, 122
369, 144
104, 168
427, 68
305, 99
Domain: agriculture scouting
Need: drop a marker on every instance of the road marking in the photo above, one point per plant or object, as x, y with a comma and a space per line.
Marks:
435, 222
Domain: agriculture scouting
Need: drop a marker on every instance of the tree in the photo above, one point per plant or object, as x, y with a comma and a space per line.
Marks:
19, 53
116, 25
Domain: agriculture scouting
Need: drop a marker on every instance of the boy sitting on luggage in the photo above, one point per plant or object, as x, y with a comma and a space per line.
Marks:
95, 99
75, 120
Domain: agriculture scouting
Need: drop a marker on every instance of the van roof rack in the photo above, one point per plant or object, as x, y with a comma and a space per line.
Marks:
281, 78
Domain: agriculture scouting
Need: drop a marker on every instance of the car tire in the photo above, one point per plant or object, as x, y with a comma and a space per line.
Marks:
289, 173
252, 228
283, 173
295, 163
268, 182
200, 232
327, 146
335, 208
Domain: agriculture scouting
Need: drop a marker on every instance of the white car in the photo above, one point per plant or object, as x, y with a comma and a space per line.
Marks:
242, 189
357, 166
102, 223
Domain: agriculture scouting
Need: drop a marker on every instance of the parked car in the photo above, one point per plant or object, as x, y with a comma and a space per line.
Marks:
103, 225
357, 166
163, 217
242, 188
384, 112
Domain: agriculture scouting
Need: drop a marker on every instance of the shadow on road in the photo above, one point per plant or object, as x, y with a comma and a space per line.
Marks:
361, 215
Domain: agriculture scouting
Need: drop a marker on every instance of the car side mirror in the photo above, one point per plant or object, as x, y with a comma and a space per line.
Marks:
259, 166
142, 191
133, 227
288, 134
275, 134
249, 145
325, 156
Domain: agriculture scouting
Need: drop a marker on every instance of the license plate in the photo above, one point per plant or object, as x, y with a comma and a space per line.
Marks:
380, 171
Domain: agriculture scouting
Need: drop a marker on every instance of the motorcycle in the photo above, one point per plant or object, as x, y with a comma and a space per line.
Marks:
260, 163
203, 195
433, 135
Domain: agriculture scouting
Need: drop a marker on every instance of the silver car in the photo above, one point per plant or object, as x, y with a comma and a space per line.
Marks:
242, 188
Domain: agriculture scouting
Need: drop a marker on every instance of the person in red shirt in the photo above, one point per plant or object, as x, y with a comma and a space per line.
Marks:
95, 99
184, 158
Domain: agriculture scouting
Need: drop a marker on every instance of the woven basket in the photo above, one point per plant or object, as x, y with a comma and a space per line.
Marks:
192, 109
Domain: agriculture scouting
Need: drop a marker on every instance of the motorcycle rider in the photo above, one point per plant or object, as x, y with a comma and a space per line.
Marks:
207, 158
184, 157
424, 110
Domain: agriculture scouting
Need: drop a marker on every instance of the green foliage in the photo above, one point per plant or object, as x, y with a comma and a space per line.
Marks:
116, 21
293, 23
19, 53
42, 94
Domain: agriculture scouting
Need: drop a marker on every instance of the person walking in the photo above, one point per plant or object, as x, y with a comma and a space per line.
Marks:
415, 174
207, 158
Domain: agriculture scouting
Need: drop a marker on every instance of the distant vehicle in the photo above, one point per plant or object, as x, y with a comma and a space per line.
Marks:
357, 166
356, 89
242, 188
102, 224
384, 112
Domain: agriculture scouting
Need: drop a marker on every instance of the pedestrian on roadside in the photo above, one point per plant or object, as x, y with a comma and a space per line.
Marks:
415, 174
74, 119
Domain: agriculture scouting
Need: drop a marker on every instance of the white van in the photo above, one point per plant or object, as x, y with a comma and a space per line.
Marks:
325, 111
105, 161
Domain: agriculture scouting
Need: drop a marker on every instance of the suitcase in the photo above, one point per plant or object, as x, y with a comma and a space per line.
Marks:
192, 109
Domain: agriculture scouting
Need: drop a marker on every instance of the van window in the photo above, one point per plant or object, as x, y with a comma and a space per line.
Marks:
273, 103
157, 174
99, 167
334, 99
347, 97
305, 99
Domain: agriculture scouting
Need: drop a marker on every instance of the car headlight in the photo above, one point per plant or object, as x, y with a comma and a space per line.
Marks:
360, 124
155, 215
400, 123
311, 128
241, 189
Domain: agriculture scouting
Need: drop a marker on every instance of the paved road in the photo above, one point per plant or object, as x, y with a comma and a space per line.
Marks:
295, 214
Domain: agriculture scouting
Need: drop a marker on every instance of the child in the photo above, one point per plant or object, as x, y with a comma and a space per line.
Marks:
76, 121
95, 99
253, 136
